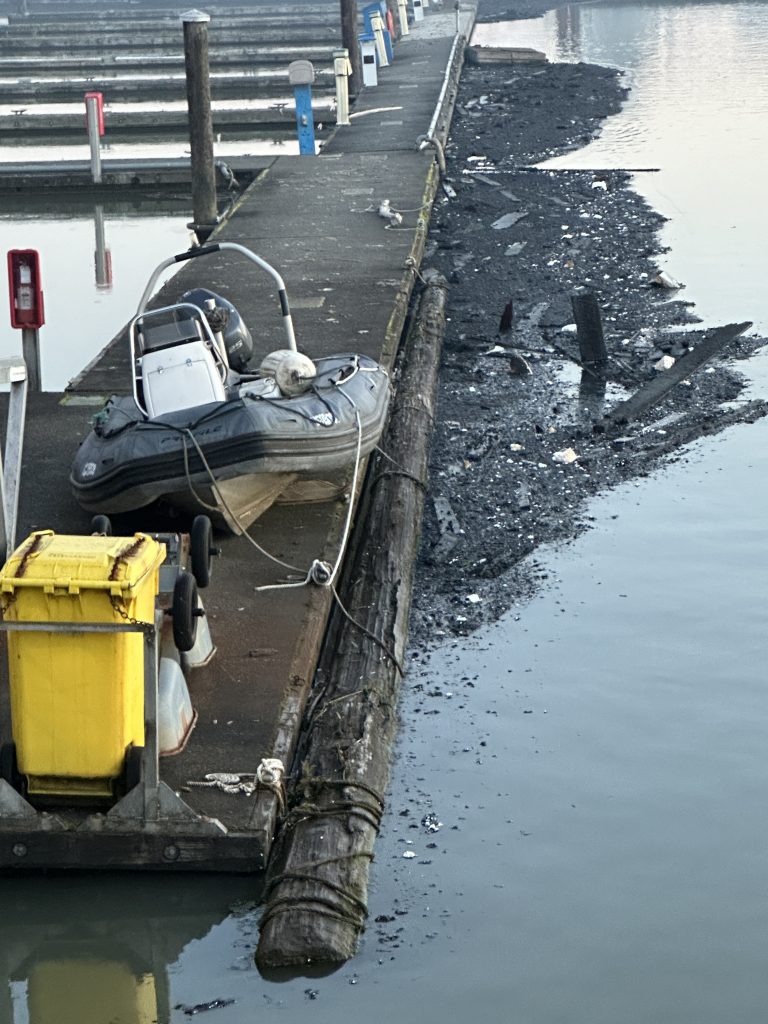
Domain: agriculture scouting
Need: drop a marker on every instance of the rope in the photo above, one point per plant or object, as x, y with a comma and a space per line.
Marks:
371, 636
321, 573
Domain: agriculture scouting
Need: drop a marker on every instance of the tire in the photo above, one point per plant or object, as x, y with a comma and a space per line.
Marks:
184, 611
201, 549
101, 525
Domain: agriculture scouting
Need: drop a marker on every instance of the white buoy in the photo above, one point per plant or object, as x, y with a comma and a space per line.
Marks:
293, 371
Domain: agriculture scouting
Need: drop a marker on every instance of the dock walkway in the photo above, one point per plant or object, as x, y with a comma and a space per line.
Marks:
349, 276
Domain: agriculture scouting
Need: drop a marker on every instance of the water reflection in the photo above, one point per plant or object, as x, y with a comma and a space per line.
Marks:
95, 260
68, 958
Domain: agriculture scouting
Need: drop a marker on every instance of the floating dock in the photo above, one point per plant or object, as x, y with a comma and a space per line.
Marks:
350, 274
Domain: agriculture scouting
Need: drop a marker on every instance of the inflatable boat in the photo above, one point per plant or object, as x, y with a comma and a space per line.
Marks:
195, 432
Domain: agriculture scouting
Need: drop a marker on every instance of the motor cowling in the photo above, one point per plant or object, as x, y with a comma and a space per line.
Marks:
224, 317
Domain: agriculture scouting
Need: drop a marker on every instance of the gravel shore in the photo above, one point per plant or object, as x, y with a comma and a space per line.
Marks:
507, 233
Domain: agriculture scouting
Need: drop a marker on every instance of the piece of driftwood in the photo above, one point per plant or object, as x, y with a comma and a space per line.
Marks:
652, 392
504, 55
317, 883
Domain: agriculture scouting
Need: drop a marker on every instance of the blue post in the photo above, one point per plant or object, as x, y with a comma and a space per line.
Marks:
301, 75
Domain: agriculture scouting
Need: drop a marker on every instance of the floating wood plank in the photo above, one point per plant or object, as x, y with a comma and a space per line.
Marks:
505, 55
653, 392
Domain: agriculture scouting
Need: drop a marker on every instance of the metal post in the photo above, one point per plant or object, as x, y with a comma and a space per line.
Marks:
589, 328
301, 75
350, 41
94, 138
377, 24
402, 11
151, 766
14, 373
204, 211
30, 347
342, 69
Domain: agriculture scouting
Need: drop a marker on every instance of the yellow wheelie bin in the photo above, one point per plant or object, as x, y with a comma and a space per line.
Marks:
77, 698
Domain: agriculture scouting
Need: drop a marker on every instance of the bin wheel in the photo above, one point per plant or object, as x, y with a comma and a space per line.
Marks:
132, 768
9, 768
184, 611
101, 525
201, 550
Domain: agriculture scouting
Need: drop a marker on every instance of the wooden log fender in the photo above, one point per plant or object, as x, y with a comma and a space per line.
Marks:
317, 881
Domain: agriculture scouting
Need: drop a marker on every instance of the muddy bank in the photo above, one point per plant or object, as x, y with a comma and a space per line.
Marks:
508, 233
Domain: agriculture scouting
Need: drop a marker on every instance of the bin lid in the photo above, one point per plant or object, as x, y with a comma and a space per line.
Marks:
51, 561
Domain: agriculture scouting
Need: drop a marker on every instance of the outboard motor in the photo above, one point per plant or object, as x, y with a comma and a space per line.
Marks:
224, 317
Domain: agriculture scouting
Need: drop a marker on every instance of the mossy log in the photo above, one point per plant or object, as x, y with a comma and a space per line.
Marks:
317, 884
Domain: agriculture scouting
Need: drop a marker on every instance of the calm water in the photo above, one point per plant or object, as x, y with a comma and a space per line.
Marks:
95, 262
597, 759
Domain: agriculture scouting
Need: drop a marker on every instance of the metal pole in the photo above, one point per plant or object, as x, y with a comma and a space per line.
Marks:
402, 10
151, 765
94, 139
377, 24
349, 40
30, 348
304, 124
204, 211
14, 373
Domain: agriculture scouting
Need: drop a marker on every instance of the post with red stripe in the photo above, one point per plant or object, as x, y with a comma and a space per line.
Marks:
94, 123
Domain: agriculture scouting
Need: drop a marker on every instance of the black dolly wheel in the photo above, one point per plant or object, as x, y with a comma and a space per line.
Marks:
184, 611
101, 525
201, 549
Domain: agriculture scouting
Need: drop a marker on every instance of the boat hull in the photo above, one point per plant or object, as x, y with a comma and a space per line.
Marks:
128, 462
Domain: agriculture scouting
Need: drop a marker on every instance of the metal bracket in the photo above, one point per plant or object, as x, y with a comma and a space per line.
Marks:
12, 804
144, 806
13, 372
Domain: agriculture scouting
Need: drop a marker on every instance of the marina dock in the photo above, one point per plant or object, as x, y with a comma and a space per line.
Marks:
350, 274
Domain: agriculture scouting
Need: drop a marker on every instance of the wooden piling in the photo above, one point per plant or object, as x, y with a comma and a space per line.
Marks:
204, 211
589, 328
349, 39
317, 882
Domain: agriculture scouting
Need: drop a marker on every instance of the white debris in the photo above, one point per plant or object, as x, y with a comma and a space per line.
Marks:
508, 220
516, 447
599, 183
474, 598
568, 329
665, 280
409, 855
565, 457
665, 363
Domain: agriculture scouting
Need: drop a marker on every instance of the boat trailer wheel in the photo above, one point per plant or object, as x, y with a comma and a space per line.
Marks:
184, 611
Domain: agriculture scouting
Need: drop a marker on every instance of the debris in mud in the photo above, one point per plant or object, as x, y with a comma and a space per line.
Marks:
214, 1004
516, 456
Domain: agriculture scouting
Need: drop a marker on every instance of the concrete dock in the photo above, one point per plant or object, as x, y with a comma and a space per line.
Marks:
349, 276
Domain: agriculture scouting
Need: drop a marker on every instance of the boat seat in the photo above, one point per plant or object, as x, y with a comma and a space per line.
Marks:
158, 336
180, 376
